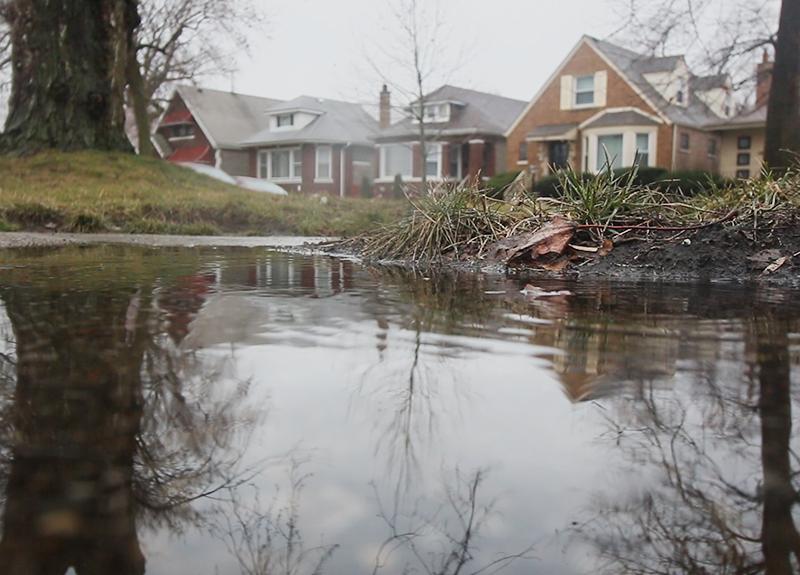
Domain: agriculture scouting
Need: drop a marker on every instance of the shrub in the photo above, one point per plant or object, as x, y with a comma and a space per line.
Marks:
552, 186
366, 188
397, 188
645, 176
497, 185
692, 182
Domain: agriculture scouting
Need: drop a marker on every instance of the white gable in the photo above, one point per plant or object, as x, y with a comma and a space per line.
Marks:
673, 85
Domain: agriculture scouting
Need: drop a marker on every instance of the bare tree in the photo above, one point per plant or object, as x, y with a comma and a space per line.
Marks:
413, 56
186, 41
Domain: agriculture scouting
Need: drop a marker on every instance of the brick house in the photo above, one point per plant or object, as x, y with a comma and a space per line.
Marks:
314, 145
465, 137
207, 127
605, 101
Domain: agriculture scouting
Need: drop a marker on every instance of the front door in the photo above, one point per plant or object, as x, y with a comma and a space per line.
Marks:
559, 155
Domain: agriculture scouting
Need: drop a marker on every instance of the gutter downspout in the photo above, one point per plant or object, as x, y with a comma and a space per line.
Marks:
674, 145
341, 169
218, 159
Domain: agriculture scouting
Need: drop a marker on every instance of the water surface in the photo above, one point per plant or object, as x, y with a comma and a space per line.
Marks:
168, 410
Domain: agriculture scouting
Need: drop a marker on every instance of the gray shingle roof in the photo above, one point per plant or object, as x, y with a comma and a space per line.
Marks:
337, 122
703, 83
752, 118
634, 66
227, 117
481, 113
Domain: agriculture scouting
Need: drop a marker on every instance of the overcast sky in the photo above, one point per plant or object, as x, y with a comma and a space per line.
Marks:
322, 47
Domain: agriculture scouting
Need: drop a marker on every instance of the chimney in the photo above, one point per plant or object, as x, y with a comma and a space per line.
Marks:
386, 108
763, 80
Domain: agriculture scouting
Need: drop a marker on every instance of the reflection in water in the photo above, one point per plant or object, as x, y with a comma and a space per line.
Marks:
126, 387
107, 423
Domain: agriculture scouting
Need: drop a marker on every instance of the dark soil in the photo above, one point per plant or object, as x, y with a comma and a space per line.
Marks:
715, 253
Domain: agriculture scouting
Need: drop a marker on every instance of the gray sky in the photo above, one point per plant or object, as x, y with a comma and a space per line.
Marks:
320, 47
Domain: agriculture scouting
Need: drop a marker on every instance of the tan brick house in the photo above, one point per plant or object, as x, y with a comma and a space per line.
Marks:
607, 103
465, 137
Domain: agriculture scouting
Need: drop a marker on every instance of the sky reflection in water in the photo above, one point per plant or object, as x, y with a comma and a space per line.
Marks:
157, 406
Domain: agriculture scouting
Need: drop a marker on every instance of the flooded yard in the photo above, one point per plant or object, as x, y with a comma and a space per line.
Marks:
227, 410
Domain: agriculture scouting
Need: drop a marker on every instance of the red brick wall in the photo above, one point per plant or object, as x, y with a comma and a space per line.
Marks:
547, 110
697, 158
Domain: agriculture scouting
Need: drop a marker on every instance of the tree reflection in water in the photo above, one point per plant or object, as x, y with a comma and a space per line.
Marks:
108, 424
718, 490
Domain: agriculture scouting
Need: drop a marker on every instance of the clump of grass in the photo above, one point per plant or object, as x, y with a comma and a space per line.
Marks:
449, 220
32, 213
86, 223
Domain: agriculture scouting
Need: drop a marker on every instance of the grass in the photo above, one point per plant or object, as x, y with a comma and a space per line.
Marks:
98, 191
461, 221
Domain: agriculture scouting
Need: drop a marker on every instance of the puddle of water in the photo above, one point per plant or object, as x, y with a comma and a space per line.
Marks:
243, 411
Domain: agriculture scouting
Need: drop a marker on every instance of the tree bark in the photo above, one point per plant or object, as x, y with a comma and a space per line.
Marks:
783, 115
69, 63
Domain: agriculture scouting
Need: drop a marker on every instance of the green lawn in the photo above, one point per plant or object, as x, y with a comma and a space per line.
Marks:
98, 191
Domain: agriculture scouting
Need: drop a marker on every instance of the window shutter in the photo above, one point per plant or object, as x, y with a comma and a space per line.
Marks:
567, 92
601, 88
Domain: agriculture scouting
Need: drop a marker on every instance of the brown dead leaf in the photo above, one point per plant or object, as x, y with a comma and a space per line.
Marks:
557, 266
606, 248
552, 237
775, 266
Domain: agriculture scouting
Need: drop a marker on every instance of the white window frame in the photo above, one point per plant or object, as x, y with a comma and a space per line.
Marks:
436, 149
294, 178
593, 103
287, 126
317, 177
382, 151
460, 161
629, 134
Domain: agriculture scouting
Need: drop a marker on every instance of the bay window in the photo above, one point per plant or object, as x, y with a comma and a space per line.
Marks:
643, 150
433, 161
280, 164
620, 147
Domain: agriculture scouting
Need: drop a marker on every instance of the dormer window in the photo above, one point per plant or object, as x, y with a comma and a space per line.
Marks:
437, 112
285, 120
584, 90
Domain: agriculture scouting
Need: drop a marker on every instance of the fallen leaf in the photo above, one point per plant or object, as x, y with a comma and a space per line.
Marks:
552, 237
606, 248
556, 266
775, 266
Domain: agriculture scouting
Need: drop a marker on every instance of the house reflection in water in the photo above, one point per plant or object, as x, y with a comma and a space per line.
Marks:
318, 276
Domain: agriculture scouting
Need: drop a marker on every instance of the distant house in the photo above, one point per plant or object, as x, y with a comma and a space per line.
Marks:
314, 145
208, 126
743, 136
465, 136
607, 103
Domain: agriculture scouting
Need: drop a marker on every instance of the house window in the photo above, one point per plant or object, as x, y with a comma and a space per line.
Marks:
712, 147
324, 157
396, 160
182, 131
743, 174
454, 161
522, 156
280, 164
743, 159
609, 151
285, 120
744, 142
685, 142
584, 90
433, 160
642, 150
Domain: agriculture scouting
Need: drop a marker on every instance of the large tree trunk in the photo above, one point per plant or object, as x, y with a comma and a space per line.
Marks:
783, 117
69, 63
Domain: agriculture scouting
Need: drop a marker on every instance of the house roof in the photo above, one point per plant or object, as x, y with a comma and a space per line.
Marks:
226, 118
336, 122
634, 66
552, 131
621, 118
703, 83
750, 119
477, 113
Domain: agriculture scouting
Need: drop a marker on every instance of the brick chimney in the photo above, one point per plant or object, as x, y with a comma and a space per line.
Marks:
386, 108
763, 80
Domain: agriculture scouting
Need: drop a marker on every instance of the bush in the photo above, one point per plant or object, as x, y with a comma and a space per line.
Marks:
691, 183
552, 187
366, 188
644, 176
497, 184
397, 188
